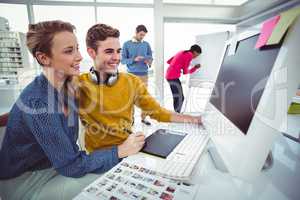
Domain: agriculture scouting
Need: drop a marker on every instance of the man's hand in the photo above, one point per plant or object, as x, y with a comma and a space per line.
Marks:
132, 145
138, 58
148, 62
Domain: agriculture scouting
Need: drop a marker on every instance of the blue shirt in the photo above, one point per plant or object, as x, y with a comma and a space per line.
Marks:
39, 136
132, 49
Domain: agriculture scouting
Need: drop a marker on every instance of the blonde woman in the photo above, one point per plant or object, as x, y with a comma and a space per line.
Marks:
39, 156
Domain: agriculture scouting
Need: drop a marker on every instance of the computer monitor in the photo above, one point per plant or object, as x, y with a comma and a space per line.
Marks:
250, 101
235, 93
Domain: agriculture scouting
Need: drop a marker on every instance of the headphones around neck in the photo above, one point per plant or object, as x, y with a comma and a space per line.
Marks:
109, 81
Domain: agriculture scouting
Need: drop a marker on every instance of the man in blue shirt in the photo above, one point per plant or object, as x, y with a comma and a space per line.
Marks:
137, 56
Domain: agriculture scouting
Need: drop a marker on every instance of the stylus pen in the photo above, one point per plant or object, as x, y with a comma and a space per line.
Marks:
202, 126
128, 131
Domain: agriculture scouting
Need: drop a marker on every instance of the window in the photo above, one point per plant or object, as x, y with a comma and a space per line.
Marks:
74, 0
127, 21
81, 17
214, 2
127, 1
16, 16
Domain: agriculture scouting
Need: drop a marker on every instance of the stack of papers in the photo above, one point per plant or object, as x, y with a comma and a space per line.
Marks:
130, 181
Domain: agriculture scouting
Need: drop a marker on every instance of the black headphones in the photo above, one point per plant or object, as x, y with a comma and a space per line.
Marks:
109, 81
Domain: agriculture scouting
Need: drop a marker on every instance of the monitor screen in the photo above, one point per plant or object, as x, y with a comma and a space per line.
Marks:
241, 81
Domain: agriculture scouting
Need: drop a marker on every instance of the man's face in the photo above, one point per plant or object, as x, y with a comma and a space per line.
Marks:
140, 35
108, 55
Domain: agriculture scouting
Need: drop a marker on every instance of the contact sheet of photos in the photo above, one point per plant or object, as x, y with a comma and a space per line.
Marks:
130, 181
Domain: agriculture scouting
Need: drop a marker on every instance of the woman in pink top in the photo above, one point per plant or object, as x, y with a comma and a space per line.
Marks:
180, 62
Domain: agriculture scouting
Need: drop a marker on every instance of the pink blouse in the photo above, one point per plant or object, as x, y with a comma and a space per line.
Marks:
180, 61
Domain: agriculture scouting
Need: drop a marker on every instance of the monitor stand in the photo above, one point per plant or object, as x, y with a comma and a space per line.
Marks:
219, 163
269, 162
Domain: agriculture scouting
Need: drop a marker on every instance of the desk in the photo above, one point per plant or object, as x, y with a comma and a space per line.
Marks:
282, 181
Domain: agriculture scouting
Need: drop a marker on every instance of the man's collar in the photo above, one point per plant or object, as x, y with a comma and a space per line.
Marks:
135, 40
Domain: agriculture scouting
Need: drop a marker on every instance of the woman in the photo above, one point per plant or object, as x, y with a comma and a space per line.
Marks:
39, 156
178, 62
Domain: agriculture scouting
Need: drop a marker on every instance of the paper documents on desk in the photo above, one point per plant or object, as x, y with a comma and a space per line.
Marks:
130, 181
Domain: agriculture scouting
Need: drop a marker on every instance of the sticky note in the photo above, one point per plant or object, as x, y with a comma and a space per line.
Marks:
266, 31
286, 19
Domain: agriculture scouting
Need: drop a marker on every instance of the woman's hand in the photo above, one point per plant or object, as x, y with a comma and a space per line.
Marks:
197, 66
132, 145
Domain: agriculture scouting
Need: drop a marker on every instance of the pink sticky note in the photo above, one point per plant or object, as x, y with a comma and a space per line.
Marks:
266, 31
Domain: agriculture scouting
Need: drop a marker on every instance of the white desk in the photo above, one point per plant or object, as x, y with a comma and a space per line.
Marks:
280, 182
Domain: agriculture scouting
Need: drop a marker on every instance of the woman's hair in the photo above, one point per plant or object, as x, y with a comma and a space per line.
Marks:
195, 48
39, 37
99, 32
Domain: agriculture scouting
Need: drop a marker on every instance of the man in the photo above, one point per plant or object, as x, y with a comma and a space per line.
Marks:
137, 56
107, 97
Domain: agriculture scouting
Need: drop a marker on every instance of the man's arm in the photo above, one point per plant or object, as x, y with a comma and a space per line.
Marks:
148, 58
152, 108
177, 117
126, 60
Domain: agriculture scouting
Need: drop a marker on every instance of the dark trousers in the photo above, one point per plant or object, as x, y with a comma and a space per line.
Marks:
177, 93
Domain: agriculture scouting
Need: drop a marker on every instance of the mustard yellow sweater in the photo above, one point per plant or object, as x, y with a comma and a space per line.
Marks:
107, 112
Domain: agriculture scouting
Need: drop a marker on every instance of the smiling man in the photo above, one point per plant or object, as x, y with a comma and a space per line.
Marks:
107, 97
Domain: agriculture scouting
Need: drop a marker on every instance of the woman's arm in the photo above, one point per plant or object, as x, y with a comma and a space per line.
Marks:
59, 145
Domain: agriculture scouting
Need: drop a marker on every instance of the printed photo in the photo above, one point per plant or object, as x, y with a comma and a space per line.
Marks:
135, 195
111, 176
144, 170
159, 183
137, 176
166, 196
102, 183
123, 192
101, 195
130, 184
141, 187
127, 173
112, 187
148, 180
113, 198
134, 167
125, 164
118, 170
152, 172
153, 192
120, 179
92, 190
170, 189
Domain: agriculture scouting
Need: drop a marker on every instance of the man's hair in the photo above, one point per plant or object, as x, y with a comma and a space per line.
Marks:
140, 28
100, 32
39, 37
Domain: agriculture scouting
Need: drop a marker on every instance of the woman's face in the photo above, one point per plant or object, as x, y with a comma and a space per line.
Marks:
65, 57
195, 54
